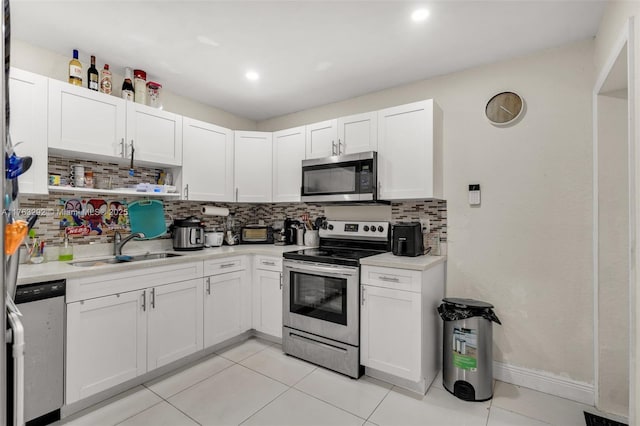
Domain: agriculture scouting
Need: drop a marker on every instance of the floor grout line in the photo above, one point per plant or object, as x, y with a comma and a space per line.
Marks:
329, 403
140, 412
383, 398
264, 406
192, 385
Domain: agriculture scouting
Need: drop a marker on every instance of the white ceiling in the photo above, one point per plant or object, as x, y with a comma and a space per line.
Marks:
308, 53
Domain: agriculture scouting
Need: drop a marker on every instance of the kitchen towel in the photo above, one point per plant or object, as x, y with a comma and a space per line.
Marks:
214, 211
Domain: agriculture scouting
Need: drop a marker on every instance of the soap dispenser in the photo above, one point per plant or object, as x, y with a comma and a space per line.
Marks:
66, 251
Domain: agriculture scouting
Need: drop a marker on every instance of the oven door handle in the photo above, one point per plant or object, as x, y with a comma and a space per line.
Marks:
324, 270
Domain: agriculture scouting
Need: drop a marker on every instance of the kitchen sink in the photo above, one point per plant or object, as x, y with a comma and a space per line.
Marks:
122, 259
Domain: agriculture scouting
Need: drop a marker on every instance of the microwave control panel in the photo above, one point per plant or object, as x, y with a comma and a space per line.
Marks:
365, 179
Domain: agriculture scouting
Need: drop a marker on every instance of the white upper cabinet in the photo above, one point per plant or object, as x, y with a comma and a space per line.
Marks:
322, 139
84, 121
155, 134
358, 133
253, 156
410, 151
207, 161
288, 153
28, 127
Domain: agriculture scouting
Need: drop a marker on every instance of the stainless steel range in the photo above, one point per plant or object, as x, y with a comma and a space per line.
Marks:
321, 319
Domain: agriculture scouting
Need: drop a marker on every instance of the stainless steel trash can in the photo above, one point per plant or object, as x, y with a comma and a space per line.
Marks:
467, 352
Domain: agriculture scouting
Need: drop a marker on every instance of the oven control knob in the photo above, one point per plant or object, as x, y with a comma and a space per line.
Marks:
366, 228
373, 229
380, 229
330, 227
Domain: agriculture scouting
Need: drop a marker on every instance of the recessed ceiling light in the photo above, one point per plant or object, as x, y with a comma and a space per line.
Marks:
252, 75
419, 15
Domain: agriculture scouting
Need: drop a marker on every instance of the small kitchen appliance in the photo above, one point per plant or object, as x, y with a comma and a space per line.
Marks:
345, 178
321, 294
188, 234
213, 238
407, 239
284, 232
256, 234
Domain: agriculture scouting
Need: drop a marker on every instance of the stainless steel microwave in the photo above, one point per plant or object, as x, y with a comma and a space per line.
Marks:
345, 178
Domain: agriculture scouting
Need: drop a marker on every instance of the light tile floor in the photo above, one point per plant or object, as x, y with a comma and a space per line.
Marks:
254, 383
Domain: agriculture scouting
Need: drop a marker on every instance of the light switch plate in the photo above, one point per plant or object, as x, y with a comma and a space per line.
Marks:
474, 195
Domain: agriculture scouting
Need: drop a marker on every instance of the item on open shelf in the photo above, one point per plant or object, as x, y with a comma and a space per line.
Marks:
152, 187
75, 70
140, 86
127, 85
105, 80
153, 94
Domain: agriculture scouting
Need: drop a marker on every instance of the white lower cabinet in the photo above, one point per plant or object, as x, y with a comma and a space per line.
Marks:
106, 343
112, 339
390, 335
267, 302
400, 333
174, 328
223, 307
227, 295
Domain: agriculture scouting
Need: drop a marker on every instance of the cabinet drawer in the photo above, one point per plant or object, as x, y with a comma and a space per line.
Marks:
399, 279
267, 263
222, 266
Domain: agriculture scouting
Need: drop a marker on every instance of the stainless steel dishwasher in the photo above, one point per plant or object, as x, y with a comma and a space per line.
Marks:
43, 316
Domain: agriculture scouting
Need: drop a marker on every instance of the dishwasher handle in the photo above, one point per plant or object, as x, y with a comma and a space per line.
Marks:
17, 339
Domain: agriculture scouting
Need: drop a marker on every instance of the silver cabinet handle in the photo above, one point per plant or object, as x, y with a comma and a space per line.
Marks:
144, 301
389, 279
208, 285
132, 147
340, 151
379, 189
280, 280
227, 265
265, 262
333, 148
363, 290
153, 298
236, 194
185, 193
122, 149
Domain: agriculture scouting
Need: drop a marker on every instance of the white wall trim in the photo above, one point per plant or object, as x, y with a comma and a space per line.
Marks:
626, 37
546, 382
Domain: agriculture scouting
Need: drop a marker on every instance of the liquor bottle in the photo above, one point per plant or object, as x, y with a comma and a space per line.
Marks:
127, 85
75, 70
105, 80
92, 75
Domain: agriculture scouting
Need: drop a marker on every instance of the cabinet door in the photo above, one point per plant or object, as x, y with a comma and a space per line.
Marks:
223, 307
322, 139
175, 322
358, 133
28, 127
288, 153
252, 176
390, 336
207, 161
155, 134
267, 302
410, 152
85, 122
106, 343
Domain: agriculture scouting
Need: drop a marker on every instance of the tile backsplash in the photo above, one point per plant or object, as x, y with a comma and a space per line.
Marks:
50, 206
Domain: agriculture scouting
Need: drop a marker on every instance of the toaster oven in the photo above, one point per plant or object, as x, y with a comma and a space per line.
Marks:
256, 234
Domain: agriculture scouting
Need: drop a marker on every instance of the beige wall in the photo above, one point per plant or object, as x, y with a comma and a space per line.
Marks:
528, 248
616, 16
45, 62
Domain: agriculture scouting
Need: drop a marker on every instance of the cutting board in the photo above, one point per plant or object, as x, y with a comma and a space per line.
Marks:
147, 217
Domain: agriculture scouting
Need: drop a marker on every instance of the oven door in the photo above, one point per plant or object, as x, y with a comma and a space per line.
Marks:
344, 178
322, 299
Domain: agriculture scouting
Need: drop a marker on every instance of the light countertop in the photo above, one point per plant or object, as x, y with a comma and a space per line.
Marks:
418, 263
54, 270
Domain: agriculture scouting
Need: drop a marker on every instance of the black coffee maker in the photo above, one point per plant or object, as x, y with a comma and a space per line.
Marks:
407, 239
286, 235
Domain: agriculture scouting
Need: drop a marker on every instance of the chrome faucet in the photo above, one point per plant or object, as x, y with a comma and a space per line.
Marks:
118, 242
